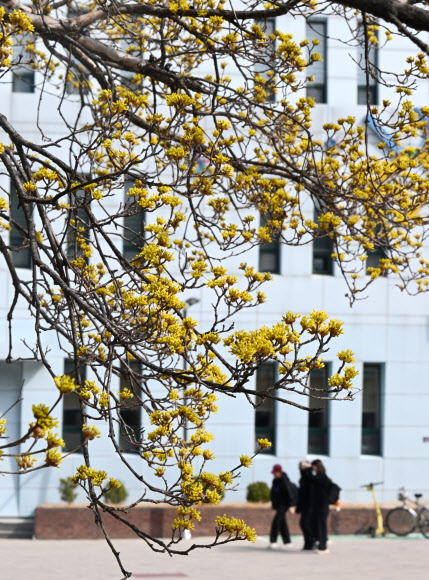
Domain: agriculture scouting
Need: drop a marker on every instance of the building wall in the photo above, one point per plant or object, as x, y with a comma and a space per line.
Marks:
388, 327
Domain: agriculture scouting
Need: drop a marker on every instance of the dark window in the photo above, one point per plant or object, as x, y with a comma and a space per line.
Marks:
265, 413
22, 73
373, 60
130, 417
77, 78
318, 421
78, 231
22, 257
317, 29
72, 418
133, 225
322, 251
268, 25
373, 260
371, 409
269, 254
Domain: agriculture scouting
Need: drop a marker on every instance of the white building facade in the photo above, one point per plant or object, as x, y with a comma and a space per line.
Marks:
382, 436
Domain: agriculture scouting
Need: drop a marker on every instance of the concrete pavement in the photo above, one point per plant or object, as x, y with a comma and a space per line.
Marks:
350, 558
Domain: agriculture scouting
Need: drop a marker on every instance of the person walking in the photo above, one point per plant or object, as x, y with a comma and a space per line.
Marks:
321, 484
281, 501
305, 505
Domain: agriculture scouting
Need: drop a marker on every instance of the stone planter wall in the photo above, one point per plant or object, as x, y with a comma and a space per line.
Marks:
77, 522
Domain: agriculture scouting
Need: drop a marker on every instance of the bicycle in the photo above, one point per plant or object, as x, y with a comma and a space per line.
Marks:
403, 520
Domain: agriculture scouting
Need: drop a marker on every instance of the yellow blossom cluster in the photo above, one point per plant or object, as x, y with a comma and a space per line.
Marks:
236, 528
65, 384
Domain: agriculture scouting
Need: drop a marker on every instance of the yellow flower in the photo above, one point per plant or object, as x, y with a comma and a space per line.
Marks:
125, 394
346, 356
90, 432
65, 384
245, 461
25, 462
54, 440
43, 418
264, 443
104, 400
53, 458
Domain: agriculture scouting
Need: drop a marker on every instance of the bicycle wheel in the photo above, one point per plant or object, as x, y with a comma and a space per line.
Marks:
401, 521
424, 522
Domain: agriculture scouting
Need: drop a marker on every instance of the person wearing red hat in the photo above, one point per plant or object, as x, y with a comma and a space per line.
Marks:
281, 500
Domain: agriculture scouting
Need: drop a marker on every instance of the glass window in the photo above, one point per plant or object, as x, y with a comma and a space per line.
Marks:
268, 25
269, 254
317, 89
318, 420
77, 232
371, 409
134, 223
22, 257
373, 260
22, 73
72, 419
373, 60
77, 78
130, 417
265, 413
322, 251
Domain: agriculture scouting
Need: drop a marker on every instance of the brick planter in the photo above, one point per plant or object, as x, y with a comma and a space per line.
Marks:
77, 522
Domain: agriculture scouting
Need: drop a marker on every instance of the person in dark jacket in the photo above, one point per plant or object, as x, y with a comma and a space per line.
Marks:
321, 484
281, 501
305, 504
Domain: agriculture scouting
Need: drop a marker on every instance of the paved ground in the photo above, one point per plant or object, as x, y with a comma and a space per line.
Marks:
350, 558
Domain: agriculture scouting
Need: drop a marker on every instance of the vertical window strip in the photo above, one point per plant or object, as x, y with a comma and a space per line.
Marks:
269, 254
322, 250
72, 419
134, 223
317, 29
371, 409
375, 255
80, 228
130, 415
268, 25
318, 418
22, 257
265, 413
361, 76
23, 77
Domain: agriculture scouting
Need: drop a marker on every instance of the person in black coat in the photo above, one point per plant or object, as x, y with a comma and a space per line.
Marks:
281, 501
305, 505
321, 484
